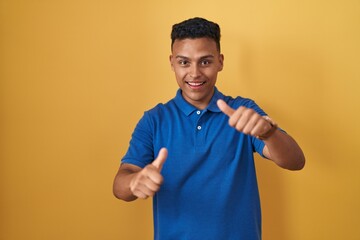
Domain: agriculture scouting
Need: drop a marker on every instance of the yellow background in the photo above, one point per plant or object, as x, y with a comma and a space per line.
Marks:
76, 76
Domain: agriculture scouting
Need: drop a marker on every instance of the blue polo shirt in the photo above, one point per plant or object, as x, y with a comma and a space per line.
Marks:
210, 189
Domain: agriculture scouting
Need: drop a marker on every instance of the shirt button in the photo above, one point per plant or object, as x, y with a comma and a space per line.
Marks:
198, 127
198, 112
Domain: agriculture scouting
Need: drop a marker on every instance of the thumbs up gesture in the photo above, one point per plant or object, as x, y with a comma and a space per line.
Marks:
147, 182
245, 120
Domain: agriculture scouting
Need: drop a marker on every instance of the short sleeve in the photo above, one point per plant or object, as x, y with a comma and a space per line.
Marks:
141, 151
258, 146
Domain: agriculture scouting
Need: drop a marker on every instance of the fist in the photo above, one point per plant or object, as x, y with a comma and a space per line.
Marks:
245, 120
147, 182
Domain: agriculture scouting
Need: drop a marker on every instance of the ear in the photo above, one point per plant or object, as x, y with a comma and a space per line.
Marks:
171, 62
221, 61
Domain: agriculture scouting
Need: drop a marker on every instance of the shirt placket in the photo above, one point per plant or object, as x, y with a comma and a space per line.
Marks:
200, 130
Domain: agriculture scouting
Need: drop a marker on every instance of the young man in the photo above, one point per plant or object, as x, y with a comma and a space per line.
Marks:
194, 154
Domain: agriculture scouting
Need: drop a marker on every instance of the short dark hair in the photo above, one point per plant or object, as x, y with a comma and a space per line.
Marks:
196, 28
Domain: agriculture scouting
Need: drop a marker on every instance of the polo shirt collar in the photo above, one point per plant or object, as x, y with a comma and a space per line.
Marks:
187, 108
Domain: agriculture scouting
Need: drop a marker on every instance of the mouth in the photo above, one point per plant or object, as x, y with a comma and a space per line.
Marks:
195, 85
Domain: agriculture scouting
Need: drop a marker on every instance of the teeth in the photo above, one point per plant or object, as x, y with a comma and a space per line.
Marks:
195, 84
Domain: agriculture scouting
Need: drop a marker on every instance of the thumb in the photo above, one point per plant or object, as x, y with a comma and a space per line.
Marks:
161, 158
225, 108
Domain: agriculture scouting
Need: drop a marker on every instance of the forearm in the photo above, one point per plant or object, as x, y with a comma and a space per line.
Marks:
121, 186
284, 151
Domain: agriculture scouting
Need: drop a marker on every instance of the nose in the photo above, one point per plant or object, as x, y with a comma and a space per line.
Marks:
194, 71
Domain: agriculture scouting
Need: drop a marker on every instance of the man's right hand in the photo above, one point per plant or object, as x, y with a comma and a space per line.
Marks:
147, 182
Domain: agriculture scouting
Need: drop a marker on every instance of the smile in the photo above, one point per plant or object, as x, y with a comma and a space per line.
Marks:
195, 84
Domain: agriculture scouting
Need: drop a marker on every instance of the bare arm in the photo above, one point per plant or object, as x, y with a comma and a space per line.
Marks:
132, 182
121, 186
284, 151
279, 146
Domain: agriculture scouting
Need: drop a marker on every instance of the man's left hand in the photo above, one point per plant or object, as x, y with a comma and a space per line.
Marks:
245, 120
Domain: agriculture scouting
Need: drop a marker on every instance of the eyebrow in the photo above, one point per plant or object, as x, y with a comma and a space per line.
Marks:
206, 56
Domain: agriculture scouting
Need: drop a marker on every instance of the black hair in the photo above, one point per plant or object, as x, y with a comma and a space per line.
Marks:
196, 28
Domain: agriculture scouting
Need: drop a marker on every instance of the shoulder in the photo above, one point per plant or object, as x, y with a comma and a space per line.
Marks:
160, 110
240, 101
236, 102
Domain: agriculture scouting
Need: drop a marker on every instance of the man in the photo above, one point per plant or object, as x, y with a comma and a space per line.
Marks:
194, 154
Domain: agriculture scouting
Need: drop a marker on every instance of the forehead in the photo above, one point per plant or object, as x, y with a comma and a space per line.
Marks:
198, 46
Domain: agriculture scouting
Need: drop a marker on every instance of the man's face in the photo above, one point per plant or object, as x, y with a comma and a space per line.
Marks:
196, 63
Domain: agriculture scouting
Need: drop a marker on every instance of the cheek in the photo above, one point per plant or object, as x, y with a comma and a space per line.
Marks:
211, 74
180, 73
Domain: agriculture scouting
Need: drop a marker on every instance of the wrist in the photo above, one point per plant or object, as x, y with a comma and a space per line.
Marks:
271, 131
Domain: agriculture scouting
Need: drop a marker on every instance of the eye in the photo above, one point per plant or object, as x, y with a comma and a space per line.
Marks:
183, 62
205, 62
